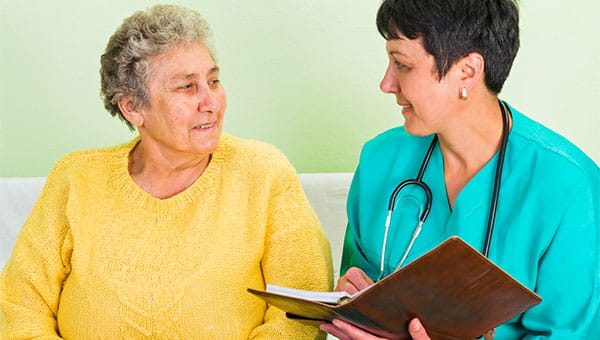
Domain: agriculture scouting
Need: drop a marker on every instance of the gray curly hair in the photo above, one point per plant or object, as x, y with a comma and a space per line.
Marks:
125, 70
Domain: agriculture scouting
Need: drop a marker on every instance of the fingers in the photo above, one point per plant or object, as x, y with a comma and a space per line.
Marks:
331, 329
417, 331
345, 331
355, 280
358, 278
489, 335
344, 285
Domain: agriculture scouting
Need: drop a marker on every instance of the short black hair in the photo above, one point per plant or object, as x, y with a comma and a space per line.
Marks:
451, 29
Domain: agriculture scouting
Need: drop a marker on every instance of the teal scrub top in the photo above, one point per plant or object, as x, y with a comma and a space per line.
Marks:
546, 232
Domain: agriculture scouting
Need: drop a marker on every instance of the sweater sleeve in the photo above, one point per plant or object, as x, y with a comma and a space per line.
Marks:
31, 282
296, 255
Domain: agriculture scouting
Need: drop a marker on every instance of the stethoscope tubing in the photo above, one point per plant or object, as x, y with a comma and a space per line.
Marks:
429, 198
498, 178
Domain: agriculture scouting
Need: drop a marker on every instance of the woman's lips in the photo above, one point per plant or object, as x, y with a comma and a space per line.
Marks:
205, 126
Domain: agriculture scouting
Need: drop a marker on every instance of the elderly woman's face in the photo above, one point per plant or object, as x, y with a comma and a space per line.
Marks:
411, 76
187, 101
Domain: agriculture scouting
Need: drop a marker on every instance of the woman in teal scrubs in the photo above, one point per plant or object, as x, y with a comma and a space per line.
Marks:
447, 64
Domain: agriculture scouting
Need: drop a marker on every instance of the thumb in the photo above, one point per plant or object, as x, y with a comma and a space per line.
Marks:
417, 331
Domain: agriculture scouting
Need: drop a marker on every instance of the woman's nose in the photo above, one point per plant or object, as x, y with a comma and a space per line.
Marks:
389, 83
207, 101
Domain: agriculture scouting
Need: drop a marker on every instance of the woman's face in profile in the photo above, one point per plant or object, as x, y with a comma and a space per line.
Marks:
187, 101
412, 77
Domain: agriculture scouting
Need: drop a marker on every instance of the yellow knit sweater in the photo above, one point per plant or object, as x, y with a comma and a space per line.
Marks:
99, 258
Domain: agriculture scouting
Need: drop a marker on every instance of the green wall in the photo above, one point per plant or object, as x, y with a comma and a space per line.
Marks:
302, 75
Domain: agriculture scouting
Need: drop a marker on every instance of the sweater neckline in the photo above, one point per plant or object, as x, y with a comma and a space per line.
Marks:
124, 185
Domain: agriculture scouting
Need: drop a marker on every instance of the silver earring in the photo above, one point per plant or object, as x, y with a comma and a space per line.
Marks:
463, 93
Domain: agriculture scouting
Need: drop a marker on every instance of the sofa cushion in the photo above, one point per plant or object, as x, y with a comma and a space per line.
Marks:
17, 197
327, 194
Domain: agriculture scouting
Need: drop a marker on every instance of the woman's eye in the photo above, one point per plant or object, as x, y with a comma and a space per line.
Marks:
187, 86
400, 66
214, 82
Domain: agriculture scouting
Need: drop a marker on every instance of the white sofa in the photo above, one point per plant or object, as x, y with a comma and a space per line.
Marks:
325, 191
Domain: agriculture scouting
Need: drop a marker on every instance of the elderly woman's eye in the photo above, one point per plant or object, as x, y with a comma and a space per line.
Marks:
187, 86
214, 82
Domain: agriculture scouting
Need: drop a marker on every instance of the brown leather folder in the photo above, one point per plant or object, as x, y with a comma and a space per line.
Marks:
456, 292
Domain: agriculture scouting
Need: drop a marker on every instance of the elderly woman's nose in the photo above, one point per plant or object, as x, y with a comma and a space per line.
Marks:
207, 100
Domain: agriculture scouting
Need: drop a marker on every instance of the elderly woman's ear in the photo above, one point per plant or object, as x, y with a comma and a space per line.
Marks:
130, 111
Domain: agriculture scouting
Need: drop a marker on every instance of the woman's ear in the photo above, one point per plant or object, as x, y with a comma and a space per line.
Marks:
472, 70
130, 111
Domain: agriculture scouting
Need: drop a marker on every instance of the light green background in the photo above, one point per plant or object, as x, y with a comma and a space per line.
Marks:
302, 75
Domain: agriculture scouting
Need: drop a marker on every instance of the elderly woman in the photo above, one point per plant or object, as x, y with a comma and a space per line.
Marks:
160, 237
508, 186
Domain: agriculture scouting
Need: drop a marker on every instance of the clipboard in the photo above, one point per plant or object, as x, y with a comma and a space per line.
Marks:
454, 290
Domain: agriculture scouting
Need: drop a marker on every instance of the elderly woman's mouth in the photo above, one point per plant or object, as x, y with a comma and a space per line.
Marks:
205, 126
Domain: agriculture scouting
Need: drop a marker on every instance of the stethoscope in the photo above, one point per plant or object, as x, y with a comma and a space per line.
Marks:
428, 197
